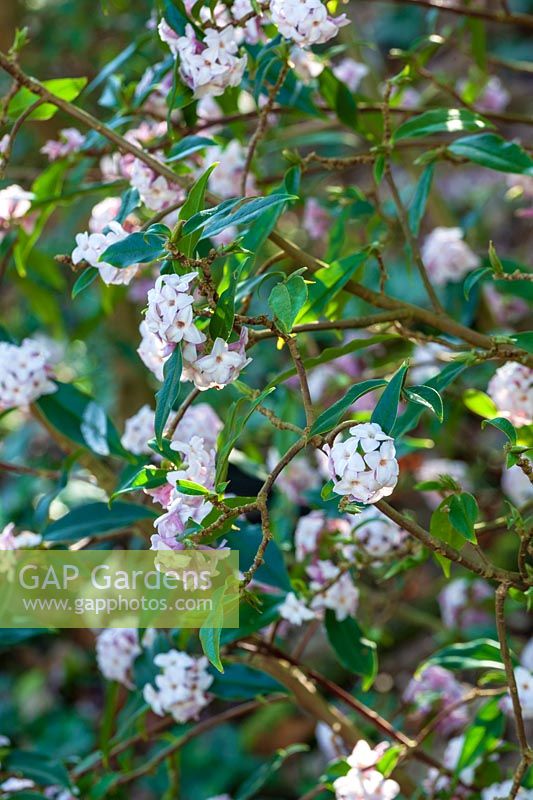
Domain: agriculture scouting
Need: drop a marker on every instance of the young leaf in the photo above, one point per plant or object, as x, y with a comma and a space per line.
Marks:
210, 641
187, 146
137, 248
428, 397
65, 88
473, 278
148, 477
483, 735
168, 393
84, 280
386, 411
419, 201
286, 301
463, 514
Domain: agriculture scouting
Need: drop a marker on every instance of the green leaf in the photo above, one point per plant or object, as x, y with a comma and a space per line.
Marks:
463, 514
286, 301
440, 527
80, 419
38, 767
504, 426
328, 282
420, 198
187, 146
95, 519
64, 88
192, 205
478, 654
137, 248
428, 397
386, 411
524, 340
473, 278
240, 682
84, 280
493, 152
192, 488
338, 97
221, 323
168, 393
441, 120
355, 652
329, 418
129, 202
483, 735
227, 214
210, 641
409, 419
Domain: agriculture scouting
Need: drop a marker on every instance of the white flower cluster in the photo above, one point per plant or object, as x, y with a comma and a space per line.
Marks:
498, 790
310, 529
220, 366
376, 534
333, 589
461, 602
199, 467
210, 66
181, 686
116, 650
516, 485
295, 610
170, 310
364, 467
363, 781
198, 420
446, 256
90, 246
511, 388
152, 351
305, 22
70, 140
138, 430
156, 192
24, 373
225, 180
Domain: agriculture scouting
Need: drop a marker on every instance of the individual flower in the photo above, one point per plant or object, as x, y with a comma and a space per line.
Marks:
25, 374
116, 650
436, 689
350, 72
446, 256
152, 351
364, 467
103, 213
4, 144
461, 602
252, 27
156, 192
524, 685
294, 610
362, 781
226, 178
316, 220
377, 535
306, 65
511, 389
305, 22
14, 204
70, 140
181, 686
138, 430
333, 589
170, 310
219, 367
210, 66
90, 246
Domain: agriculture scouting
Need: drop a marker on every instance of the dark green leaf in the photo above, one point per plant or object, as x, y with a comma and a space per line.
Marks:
95, 519
503, 425
479, 654
419, 201
286, 301
240, 682
168, 393
441, 120
38, 767
84, 280
428, 397
328, 419
137, 248
386, 411
493, 152
261, 775
354, 651
187, 146
472, 278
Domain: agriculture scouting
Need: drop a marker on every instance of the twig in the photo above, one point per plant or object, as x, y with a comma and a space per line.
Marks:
304, 385
523, 20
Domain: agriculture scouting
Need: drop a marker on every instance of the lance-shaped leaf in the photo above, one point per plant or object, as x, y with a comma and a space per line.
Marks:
331, 417
386, 411
168, 393
428, 397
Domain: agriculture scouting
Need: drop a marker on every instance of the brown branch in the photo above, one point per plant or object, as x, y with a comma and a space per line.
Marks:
302, 376
523, 20
19, 469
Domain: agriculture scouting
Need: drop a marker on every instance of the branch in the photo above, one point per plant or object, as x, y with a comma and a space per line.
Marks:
524, 20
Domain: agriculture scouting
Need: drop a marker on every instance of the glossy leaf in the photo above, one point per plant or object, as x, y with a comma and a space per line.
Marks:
286, 301
386, 411
490, 150
329, 418
428, 397
463, 514
168, 394
441, 120
354, 651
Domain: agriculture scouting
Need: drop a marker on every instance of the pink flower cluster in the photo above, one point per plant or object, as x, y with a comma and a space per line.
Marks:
181, 686
25, 374
90, 246
511, 388
116, 650
434, 690
305, 22
70, 140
